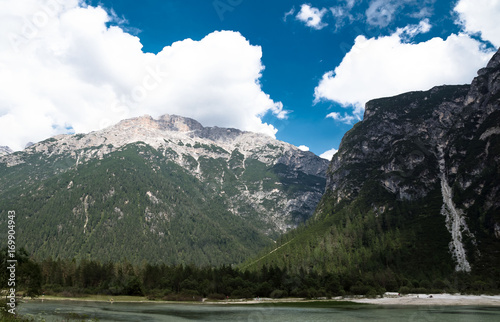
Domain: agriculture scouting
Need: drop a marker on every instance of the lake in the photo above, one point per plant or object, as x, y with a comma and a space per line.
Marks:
102, 311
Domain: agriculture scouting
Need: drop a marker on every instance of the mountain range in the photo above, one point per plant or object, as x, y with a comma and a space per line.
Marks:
162, 190
412, 197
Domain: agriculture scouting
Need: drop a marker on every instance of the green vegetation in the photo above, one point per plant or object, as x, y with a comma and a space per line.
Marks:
133, 206
27, 273
134, 223
5, 316
69, 278
79, 135
369, 250
211, 148
138, 205
28, 279
371, 238
93, 280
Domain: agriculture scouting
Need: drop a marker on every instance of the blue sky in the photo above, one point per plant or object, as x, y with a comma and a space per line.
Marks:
299, 70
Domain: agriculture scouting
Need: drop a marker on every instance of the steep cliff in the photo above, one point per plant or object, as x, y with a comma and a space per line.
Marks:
412, 145
414, 190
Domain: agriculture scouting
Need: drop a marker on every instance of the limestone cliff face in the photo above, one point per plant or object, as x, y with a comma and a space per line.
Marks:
180, 134
185, 141
446, 139
398, 142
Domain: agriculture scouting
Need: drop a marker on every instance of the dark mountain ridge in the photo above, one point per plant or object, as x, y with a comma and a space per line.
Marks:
413, 193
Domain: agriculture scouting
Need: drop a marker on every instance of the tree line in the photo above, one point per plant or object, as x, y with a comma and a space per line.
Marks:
72, 278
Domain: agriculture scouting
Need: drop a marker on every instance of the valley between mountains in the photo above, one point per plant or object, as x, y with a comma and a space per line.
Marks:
411, 201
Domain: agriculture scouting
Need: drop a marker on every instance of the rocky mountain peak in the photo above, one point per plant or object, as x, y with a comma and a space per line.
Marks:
182, 135
185, 125
165, 123
494, 61
485, 88
169, 181
428, 144
407, 130
414, 190
179, 123
4, 150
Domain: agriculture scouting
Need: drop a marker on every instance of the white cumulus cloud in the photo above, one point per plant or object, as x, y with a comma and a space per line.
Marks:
328, 155
62, 67
481, 16
312, 17
303, 148
386, 66
411, 31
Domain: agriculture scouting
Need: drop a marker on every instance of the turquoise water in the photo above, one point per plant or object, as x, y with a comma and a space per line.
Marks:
87, 311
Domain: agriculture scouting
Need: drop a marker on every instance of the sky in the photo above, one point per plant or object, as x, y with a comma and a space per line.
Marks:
300, 71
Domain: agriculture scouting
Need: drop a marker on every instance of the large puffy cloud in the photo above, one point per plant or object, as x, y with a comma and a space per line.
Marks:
390, 65
62, 68
481, 16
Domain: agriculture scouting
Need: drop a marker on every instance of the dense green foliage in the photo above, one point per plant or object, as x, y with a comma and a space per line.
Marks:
130, 205
181, 282
400, 249
27, 274
137, 204
26, 278
381, 247
71, 278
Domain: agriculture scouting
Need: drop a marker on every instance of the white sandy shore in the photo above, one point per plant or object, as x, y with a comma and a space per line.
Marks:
431, 299
388, 299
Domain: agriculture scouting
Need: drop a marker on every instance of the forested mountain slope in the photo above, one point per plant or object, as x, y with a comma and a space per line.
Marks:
413, 193
166, 190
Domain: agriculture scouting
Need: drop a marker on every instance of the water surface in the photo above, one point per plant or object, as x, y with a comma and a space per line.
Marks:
101, 311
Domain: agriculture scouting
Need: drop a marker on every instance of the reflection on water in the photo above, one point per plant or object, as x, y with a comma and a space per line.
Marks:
100, 311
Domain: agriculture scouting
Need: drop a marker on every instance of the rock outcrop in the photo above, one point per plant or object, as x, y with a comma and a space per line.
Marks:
4, 150
446, 139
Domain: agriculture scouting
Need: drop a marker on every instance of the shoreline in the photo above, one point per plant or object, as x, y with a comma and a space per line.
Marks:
432, 300
389, 299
